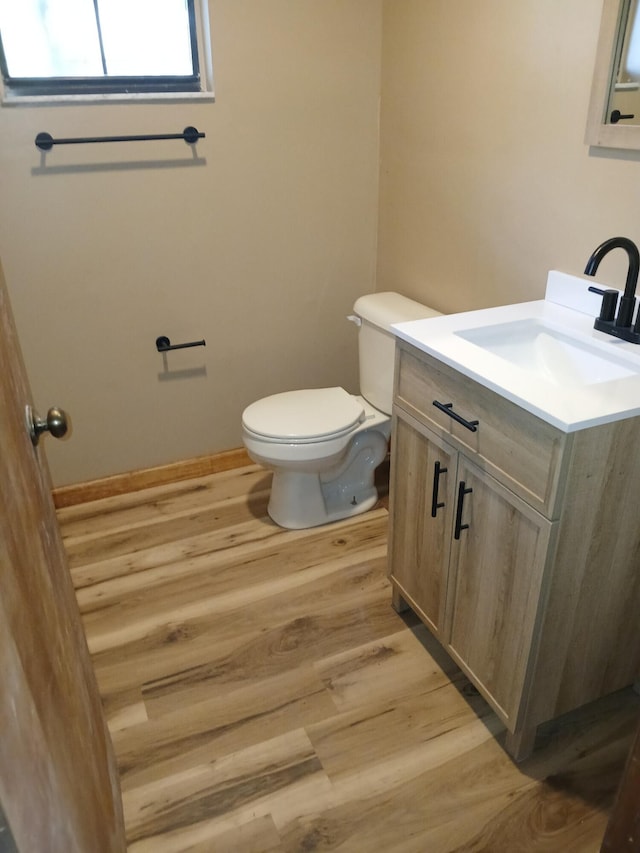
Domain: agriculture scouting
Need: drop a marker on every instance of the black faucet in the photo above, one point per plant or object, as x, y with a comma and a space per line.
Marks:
621, 326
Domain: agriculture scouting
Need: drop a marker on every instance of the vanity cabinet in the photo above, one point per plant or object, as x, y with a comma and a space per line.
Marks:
515, 543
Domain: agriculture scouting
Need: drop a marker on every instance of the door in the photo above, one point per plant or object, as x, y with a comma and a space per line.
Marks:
424, 476
59, 787
623, 829
498, 559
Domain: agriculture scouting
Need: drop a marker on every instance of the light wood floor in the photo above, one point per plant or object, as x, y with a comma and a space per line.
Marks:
263, 696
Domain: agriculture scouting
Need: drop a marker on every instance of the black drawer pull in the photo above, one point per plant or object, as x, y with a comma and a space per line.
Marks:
447, 408
462, 491
435, 505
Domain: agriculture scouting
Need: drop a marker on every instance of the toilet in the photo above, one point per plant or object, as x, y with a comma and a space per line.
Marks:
324, 444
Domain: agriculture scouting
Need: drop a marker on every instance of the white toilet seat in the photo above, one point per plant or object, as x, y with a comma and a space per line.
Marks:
303, 417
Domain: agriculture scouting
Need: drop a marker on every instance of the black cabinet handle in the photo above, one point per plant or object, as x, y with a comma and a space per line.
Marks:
435, 505
447, 408
462, 491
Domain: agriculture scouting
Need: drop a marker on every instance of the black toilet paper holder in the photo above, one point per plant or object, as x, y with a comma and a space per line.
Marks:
163, 344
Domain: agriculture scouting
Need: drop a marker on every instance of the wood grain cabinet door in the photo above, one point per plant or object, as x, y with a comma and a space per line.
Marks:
424, 475
59, 789
497, 568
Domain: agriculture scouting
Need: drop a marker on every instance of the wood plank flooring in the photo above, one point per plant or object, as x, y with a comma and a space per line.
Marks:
264, 697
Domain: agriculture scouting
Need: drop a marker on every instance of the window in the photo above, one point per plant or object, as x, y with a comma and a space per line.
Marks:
631, 51
100, 47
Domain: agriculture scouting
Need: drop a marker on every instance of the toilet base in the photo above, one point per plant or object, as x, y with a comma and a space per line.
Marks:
297, 501
302, 499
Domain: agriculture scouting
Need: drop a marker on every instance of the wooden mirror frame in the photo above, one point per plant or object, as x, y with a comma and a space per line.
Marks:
600, 132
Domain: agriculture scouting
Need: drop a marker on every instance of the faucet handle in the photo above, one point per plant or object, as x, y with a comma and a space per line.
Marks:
609, 303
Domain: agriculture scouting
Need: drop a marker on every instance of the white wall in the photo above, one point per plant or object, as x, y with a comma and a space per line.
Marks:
486, 182
260, 246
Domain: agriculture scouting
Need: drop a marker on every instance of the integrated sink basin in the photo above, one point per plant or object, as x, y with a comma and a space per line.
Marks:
541, 348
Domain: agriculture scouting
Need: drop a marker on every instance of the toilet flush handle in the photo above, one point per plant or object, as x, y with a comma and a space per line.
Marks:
353, 318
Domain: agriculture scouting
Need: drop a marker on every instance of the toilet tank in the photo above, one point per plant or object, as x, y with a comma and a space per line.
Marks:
376, 313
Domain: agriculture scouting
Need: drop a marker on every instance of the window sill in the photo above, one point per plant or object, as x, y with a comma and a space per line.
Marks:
9, 100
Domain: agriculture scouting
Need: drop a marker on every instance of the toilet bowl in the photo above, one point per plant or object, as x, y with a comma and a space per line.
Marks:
323, 459
324, 444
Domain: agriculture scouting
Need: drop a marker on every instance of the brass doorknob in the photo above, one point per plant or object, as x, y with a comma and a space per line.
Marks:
57, 423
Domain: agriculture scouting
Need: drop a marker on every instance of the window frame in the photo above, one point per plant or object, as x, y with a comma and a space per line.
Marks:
118, 88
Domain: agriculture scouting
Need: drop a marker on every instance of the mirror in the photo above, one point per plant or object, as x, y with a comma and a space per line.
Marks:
614, 110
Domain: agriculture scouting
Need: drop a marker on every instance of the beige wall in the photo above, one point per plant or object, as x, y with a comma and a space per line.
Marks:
260, 248
486, 182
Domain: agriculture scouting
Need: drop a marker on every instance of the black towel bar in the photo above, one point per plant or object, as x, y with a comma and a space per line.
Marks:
45, 142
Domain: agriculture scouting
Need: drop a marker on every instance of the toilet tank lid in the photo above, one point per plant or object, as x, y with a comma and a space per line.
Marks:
386, 308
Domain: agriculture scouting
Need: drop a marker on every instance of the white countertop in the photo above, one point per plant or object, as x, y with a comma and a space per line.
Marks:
569, 307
